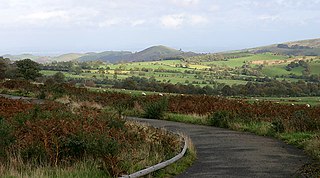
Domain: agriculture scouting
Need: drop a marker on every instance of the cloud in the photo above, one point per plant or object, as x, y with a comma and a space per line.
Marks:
271, 18
46, 15
110, 22
137, 22
184, 3
214, 8
172, 21
198, 19
175, 21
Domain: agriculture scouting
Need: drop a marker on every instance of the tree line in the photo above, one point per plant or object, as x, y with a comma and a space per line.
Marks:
269, 88
23, 69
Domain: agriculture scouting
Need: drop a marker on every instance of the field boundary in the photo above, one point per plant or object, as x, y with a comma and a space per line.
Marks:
159, 165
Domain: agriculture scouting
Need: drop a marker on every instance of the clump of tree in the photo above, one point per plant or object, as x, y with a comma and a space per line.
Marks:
28, 69
216, 57
285, 46
4, 65
269, 87
24, 69
300, 63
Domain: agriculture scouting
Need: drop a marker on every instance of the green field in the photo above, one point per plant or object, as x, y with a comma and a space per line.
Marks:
228, 71
289, 100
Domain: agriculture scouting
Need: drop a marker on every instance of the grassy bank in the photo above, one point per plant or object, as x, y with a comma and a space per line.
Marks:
309, 141
79, 139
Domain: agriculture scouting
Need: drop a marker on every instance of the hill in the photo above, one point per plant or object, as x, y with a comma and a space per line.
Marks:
68, 57
150, 54
309, 47
40, 59
107, 56
157, 53
45, 59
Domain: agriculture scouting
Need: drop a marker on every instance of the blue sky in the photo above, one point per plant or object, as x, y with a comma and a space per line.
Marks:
60, 26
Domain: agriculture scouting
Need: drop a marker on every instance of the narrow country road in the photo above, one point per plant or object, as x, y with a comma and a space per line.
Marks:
225, 153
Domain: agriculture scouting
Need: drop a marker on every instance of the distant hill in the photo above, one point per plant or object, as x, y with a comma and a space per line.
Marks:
309, 47
108, 56
40, 59
44, 59
158, 52
68, 57
150, 54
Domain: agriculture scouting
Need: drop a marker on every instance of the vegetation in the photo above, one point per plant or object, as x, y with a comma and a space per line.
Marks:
53, 137
75, 141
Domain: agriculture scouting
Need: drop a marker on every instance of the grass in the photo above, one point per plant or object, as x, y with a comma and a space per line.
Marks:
191, 119
309, 141
315, 68
238, 62
313, 101
145, 146
228, 68
181, 165
84, 169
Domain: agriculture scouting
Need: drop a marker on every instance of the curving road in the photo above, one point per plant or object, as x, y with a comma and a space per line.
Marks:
226, 153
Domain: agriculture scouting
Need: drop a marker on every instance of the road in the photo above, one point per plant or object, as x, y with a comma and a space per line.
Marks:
226, 153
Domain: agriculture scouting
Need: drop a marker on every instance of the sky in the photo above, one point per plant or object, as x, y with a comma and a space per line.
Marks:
52, 27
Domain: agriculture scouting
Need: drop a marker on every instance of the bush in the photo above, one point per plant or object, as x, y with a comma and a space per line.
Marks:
301, 121
6, 137
156, 110
278, 125
220, 119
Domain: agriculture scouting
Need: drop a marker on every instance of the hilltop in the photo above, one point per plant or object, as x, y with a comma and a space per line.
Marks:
309, 47
150, 54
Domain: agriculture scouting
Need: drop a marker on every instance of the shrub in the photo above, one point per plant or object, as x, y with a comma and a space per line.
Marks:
6, 137
156, 110
278, 125
220, 119
301, 121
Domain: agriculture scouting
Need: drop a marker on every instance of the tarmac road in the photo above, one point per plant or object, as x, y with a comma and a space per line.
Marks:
226, 153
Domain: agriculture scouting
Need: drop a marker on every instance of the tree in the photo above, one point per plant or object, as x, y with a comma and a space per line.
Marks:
28, 69
3, 68
58, 77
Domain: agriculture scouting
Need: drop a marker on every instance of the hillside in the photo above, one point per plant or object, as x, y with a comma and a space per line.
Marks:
150, 54
68, 57
40, 59
157, 53
45, 59
309, 47
107, 56
313, 43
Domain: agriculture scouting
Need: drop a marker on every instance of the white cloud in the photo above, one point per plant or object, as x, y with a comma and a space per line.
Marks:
172, 21
198, 19
185, 2
46, 15
175, 21
269, 17
137, 22
110, 22
214, 8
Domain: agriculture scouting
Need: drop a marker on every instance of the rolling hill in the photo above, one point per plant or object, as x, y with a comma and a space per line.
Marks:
68, 57
158, 53
309, 47
149, 54
107, 56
